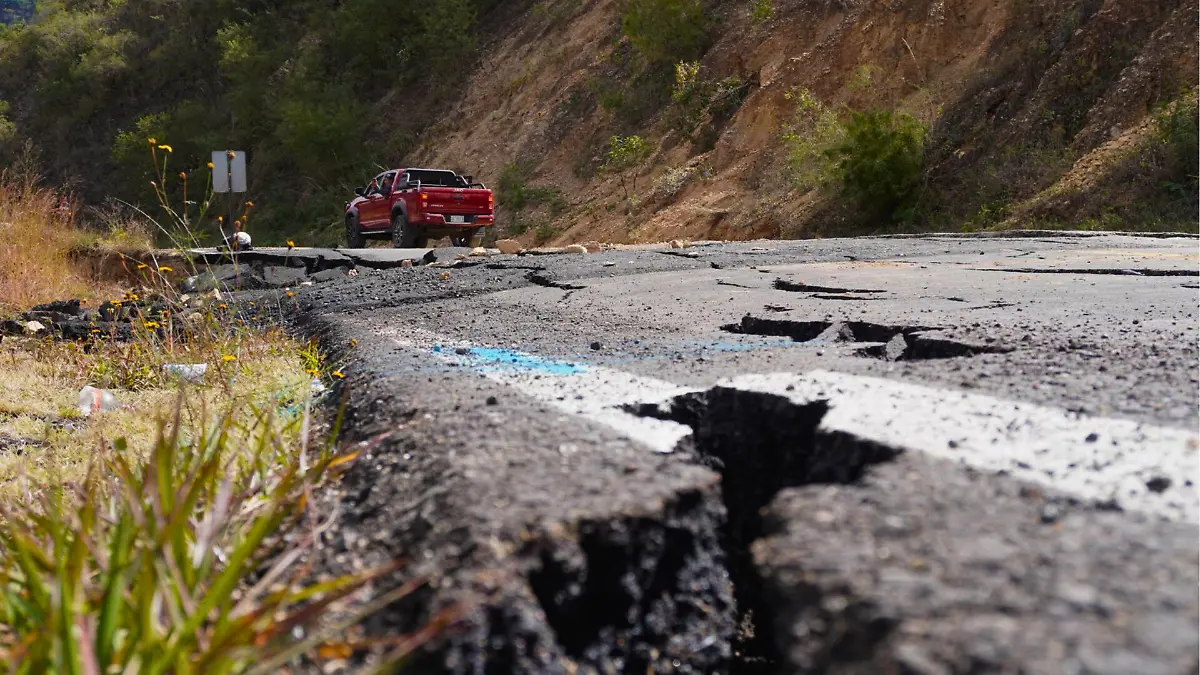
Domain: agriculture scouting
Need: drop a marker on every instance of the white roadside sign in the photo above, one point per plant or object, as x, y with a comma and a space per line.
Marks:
228, 172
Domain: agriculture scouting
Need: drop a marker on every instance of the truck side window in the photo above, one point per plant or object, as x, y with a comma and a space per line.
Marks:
386, 189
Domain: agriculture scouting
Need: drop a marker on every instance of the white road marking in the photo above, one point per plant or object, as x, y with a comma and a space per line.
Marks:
589, 391
1092, 458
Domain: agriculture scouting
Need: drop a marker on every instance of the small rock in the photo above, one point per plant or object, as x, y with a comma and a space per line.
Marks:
675, 243
1050, 513
592, 246
462, 351
576, 248
34, 327
479, 251
610, 264
1158, 484
195, 318
406, 263
509, 246
597, 346
491, 400
444, 276
1092, 437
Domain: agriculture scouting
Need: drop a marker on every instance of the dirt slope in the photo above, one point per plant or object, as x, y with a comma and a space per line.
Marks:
1017, 95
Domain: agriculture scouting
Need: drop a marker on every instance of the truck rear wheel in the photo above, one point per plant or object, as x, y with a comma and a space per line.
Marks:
467, 237
354, 235
405, 234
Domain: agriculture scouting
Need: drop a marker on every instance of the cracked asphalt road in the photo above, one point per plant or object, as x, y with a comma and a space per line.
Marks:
937, 454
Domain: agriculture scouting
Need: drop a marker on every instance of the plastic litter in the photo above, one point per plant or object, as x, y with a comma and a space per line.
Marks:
188, 372
93, 400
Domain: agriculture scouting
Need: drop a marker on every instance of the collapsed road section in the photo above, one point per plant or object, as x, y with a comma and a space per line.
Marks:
589, 506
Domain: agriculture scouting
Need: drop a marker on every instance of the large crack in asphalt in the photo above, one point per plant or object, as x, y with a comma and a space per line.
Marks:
794, 287
881, 341
760, 444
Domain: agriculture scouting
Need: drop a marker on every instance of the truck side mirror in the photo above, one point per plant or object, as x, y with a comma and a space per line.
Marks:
359, 191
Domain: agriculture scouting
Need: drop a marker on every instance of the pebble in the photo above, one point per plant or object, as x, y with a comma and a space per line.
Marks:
597, 346
1051, 513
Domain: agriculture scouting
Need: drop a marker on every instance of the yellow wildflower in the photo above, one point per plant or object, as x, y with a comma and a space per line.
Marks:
164, 268
222, 306
151, 324
229, 154
142, 266
210, 165
152, 141
291, 244
353, 342
228, 357
291, 294
249, 205
338, 374
166, 148
182, 175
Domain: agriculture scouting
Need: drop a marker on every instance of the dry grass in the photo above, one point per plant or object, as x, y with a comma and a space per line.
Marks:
38, 398
36, 236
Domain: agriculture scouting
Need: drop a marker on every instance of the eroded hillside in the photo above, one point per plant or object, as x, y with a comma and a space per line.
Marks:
1060, 113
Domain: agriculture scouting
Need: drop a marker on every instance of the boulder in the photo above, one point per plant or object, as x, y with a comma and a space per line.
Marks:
509, 246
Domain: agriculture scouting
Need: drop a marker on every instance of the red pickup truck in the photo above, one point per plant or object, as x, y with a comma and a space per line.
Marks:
414, 205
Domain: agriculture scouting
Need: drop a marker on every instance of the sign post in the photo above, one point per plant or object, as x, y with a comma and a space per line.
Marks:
229, 176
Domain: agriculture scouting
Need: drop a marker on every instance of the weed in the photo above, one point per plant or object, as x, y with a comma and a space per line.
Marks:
761, 11
702, 103
147, 566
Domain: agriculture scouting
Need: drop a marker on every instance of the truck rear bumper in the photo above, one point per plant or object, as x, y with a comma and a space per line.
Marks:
470, 221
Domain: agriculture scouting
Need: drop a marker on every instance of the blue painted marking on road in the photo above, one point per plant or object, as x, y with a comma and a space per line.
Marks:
494, 358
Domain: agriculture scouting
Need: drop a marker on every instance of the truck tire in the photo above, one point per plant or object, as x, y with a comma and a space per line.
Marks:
405, 234
354, 236
467, 237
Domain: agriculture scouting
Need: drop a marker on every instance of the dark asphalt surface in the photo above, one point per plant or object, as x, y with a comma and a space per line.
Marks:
779, 535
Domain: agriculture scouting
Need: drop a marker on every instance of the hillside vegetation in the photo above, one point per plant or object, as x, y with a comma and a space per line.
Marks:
633, 120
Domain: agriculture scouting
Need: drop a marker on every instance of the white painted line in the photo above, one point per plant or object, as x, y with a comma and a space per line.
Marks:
1090, 457
589, 391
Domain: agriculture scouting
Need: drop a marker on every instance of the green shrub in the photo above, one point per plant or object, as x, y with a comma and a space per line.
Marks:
666, 30
880, 160
1179, 130
812, 133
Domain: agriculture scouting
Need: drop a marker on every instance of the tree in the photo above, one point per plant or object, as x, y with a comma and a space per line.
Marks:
625, 153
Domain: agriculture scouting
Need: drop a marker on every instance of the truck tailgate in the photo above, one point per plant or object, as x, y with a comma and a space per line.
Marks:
458, 200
